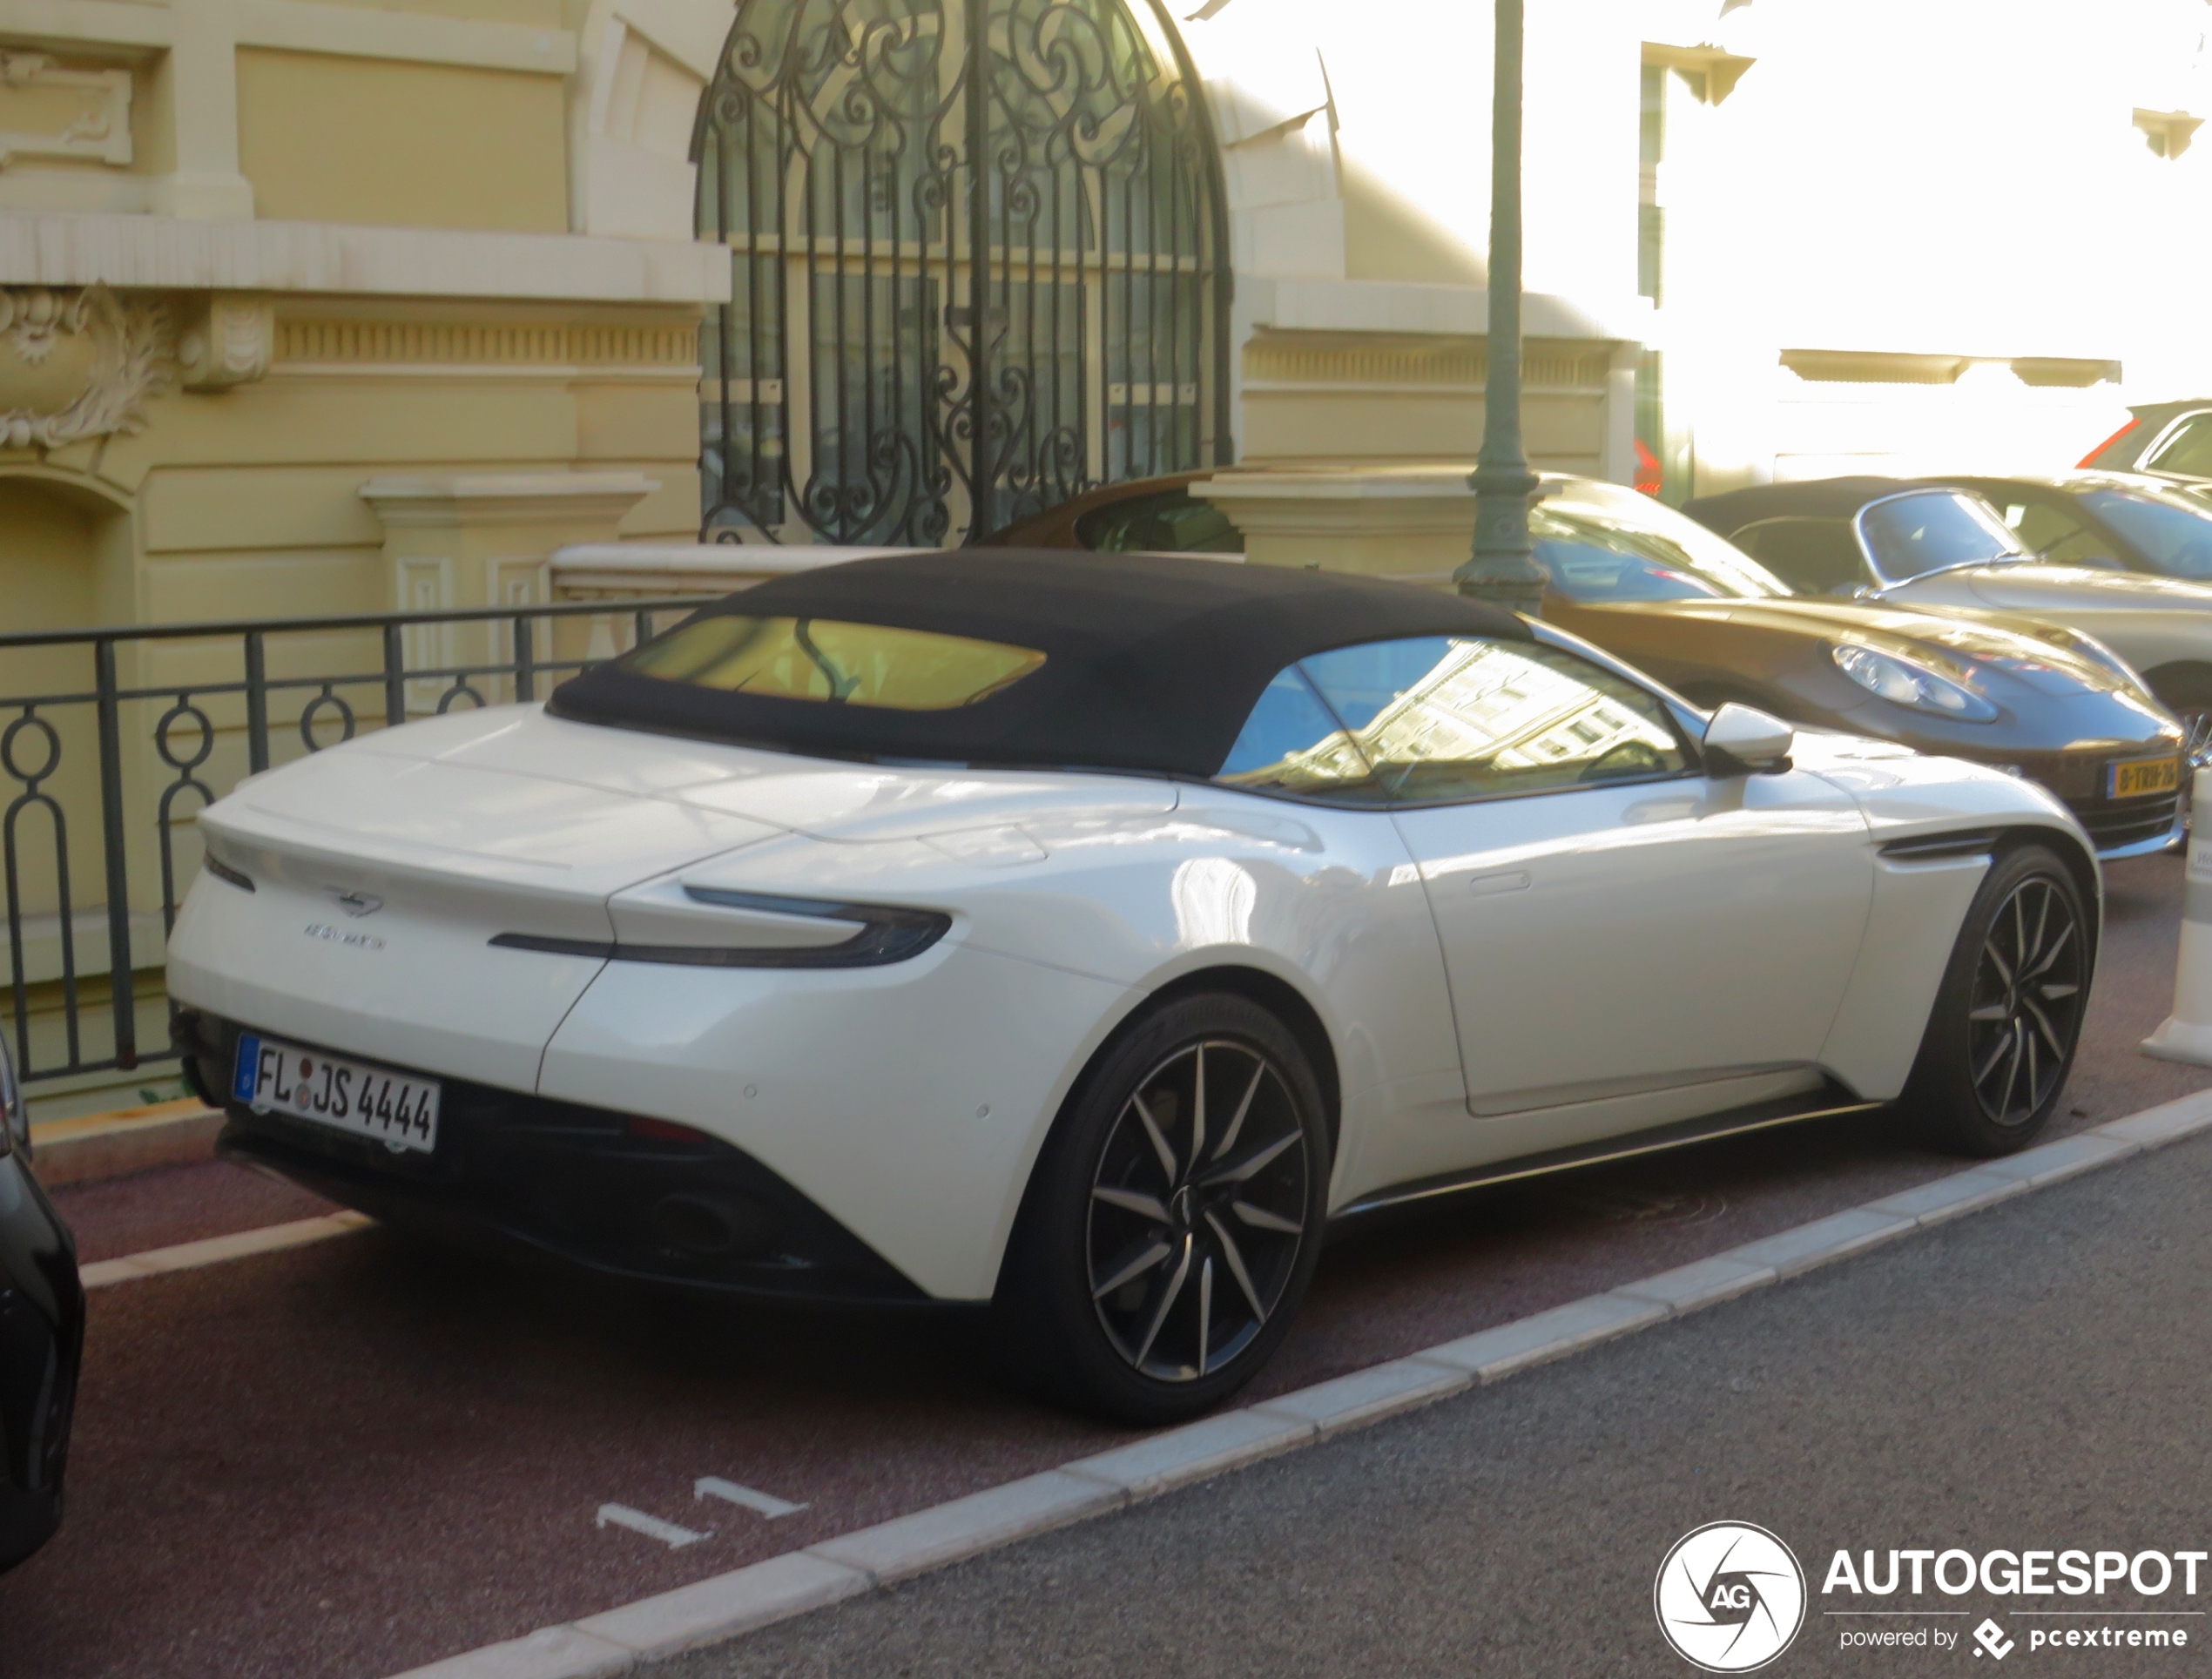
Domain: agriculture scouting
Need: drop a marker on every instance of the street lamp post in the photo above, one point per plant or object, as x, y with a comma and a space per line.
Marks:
1503, 568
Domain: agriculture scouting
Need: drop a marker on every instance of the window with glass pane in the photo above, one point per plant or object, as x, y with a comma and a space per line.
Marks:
1291, 743
2172, 535
1445, 718
2188, 451
838, 663
1170, 522
2056, 532
1911, 536
979, 265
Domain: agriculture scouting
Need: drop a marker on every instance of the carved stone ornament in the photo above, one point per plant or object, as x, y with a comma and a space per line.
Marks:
225, 340
49, 109
77, 362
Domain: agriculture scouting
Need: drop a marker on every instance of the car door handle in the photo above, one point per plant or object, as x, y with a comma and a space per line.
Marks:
1488, 886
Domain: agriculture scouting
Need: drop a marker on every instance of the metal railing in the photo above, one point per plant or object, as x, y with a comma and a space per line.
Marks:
112, 741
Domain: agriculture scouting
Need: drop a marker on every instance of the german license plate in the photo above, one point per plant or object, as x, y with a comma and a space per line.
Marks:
395, 1108
2134, 777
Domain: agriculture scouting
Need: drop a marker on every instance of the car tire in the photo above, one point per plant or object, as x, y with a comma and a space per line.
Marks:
2000, 1040
1165, 1243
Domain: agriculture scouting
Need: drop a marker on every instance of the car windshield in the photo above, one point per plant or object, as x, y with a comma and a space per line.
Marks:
2172, 533
1911, 536
1599, 544
833, 661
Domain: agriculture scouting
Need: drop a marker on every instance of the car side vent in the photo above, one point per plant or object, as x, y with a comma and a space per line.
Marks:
1936, 847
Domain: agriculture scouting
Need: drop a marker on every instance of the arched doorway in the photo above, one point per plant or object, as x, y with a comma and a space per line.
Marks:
981, 265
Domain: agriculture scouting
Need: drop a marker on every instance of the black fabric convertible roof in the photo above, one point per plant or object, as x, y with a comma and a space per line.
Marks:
1814, 498
1152, 662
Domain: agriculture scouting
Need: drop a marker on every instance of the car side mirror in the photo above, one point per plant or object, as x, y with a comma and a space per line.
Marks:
1742, 740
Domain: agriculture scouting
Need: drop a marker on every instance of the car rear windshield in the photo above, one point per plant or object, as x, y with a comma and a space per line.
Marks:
835, 662
1911, 536
2172, 533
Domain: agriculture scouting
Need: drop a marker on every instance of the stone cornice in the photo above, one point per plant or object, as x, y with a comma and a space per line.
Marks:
166, 254
444, 500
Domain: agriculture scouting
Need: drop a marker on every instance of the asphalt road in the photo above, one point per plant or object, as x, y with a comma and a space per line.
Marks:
2029, 1377
342, 1461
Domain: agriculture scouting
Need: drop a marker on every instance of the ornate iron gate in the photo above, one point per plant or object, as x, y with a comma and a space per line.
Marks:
980, 260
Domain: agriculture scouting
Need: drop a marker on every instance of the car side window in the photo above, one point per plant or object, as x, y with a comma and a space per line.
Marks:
1814, 557
2055, 533
2188, 451
1292, 744
1170, 522
1450, 717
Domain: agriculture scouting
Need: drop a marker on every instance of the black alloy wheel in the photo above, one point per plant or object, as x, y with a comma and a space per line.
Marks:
2002, 1037
2027, 1005
1175, 1217
1197, 1209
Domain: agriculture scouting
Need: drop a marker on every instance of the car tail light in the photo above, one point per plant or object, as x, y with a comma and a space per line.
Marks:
1650, 480
2090, 459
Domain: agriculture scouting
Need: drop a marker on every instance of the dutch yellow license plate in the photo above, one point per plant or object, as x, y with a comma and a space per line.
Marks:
2138, 776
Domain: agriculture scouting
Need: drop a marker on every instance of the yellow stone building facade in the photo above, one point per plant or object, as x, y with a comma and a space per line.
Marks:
293, 321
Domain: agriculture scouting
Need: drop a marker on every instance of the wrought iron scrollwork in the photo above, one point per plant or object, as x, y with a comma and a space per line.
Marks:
981, 263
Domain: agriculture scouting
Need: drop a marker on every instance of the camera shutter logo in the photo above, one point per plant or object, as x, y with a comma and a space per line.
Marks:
1729, 1597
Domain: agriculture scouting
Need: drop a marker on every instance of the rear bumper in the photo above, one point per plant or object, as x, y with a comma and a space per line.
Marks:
42, 1341
563, 1180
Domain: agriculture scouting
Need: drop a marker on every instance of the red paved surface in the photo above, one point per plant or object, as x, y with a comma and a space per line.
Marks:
177, 1203
339, 1461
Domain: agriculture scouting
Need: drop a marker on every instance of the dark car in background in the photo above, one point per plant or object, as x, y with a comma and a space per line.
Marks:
1662, 591
1142, 516
2124, 519
1915, 544
42, 1338
2174, 439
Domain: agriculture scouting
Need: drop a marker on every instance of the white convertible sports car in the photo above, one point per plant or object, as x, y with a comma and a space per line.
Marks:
1086, 933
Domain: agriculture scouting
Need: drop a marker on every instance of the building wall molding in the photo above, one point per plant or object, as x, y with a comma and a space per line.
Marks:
154, 253
350, 343
442, 500
1279, 360
97, 126
415, 38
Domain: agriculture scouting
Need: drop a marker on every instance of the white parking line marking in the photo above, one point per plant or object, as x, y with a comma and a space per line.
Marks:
191, 1255
768, 1504
621, 1515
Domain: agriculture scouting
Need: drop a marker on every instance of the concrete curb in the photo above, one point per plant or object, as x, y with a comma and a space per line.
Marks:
753, 1597
65, 1152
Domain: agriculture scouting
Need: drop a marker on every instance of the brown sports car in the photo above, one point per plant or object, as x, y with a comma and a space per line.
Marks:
1663, 592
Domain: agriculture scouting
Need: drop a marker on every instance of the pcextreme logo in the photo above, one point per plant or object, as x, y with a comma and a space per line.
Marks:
1729, 1597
